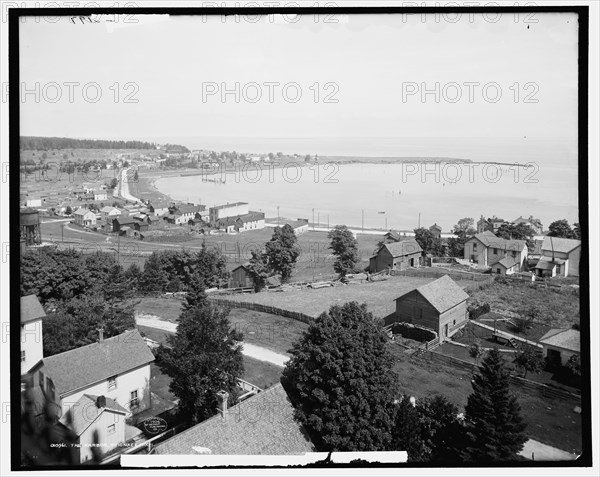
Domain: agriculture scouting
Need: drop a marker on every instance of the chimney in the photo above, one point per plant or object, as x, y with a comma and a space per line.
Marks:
100, 335
100, 402
222, 397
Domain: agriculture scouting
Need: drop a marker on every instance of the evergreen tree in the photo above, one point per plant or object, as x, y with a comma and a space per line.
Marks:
202, 358
196, 293
493, 415
341, 382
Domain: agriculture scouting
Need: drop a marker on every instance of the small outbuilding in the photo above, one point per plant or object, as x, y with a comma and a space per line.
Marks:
560, 344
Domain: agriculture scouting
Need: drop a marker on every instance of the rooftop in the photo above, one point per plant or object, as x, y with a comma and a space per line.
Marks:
95, 362
404, 247
31, 309
86, 411
489, 239
567, 339
225, 206
442, 293
261, 425
506, 262
560, 245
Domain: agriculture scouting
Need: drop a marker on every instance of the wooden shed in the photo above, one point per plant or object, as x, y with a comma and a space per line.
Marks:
440, 306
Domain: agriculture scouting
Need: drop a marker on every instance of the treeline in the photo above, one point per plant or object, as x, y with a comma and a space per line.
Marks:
47, 143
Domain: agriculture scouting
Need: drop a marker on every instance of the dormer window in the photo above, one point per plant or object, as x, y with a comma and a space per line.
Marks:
112, 383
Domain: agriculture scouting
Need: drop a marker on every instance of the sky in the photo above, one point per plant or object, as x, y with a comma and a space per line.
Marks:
360, 77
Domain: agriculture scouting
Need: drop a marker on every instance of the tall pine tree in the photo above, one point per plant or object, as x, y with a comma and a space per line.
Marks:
493, 415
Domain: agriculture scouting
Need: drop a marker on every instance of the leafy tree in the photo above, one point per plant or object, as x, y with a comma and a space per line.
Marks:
408, 432
155, 277
525, 321
133, 273
462, 230
345, 248
258, 269
202, 358
577, 231
492, 415
282, 251
68, 210
517, 232
560, 228
475, 351
113, 183
573, 366
429, 242
75, 322
529, 359
341, 382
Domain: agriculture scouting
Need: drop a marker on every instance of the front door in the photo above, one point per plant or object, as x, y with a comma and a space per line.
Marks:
446, 330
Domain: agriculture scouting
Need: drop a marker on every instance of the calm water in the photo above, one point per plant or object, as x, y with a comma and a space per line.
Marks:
441, 194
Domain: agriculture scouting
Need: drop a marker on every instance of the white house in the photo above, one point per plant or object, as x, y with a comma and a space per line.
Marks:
100, 195
241, 223
117, 367
96, 414
300, 226
34, 202
560, 344
108, 213
159, 208
505, 266
32, 340
227, 210
560, 257
487, 249
84, 217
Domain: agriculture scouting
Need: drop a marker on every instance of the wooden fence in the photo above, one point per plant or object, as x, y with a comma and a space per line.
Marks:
543, 389
294, 315
430, 273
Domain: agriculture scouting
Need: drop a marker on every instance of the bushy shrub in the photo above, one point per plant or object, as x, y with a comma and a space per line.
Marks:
410, 331
476, 310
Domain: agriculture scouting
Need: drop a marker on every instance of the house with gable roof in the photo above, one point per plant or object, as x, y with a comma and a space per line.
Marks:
117, 367
396, 256
487, 249
560, 257
440, 306
263, 424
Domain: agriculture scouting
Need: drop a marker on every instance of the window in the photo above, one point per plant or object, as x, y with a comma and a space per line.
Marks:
454, 322
557, 271
41, 380
112, 383
133, 400
495, 251
22, 356
498, 271
514, 254
111, 429
474, 247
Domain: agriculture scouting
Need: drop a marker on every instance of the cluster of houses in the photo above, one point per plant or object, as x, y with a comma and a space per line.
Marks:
494, 223
135, 220
95, 390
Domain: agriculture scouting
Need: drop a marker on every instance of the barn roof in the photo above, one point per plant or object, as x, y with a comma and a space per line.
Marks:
261, 425
561, 245
442, 293
31, 309
569, 339
95, 362
489, 239
405, 247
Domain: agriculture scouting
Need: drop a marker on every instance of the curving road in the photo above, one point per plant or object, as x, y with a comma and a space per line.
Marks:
253, 351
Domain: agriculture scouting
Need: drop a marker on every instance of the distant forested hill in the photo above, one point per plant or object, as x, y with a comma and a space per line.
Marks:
29, 143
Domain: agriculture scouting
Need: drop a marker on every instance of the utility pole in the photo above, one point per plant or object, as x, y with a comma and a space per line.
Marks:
419, 220
363, 220
318, 218
313, 221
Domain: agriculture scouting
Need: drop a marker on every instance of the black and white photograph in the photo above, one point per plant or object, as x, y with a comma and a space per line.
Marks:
337, 237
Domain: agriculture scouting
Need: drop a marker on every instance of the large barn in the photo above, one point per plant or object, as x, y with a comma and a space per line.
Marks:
440, 306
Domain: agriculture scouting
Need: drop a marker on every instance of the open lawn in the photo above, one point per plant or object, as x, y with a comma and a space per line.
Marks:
533, 333
167, 309
472, 334
379, 296
557, 308
551, 421
276, 333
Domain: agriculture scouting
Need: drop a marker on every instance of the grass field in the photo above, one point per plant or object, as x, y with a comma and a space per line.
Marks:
551, 421
559, 309
276, 333
379, 296
168, 309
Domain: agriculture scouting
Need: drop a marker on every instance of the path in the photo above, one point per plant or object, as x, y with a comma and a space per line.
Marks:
534, 450
253, 351
505, 334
